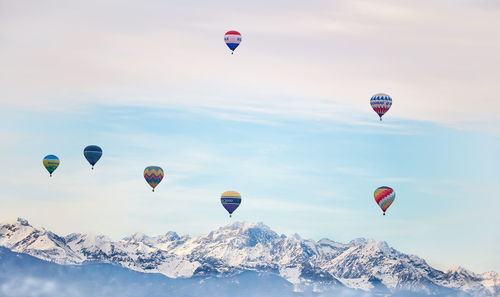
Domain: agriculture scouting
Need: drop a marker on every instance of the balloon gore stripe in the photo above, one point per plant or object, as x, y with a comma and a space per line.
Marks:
230, 201
384, 196
153, 175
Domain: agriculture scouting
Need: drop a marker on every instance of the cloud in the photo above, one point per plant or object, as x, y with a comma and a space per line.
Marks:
34, 287
259, 204
318, 61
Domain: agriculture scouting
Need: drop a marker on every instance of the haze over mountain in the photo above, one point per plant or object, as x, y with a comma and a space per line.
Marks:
228, 258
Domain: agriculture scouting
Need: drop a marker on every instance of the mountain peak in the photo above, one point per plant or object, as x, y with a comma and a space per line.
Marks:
18, 221
360, 241
491, 274
243, 226
23, 222
250, 233
136, 237
459, 270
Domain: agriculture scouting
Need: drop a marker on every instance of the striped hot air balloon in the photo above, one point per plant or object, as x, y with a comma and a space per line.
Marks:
153, 176
384, 196
230, 200
232, 40
381, 103
51, 162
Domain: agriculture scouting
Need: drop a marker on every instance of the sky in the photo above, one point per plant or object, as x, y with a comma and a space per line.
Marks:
285, 121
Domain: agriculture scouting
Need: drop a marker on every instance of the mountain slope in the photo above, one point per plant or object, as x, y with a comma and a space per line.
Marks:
22, 275
20, 236
242, 247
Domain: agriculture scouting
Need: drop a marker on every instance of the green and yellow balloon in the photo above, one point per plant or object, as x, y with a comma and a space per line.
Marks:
51, 162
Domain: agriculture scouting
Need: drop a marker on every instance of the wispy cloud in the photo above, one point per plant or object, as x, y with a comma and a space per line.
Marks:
430, 65
277, 206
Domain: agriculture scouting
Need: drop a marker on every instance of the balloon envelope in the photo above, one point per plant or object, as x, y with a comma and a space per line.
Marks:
381, 103
230, 200
232, 39
384, 196
92, 153
153, 176
50, 162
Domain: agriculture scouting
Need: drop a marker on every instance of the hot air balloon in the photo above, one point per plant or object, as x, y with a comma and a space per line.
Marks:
381, 103
232, 40
50, 162
92, 153
384, 196
230, 200
153, 176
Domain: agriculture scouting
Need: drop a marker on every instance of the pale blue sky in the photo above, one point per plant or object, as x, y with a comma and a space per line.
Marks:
285, 121
313, 178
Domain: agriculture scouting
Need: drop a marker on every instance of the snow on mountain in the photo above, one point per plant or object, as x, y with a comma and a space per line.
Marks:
20, 236
22, 275
491, 280
242, 246
137, 252
468, 281
376, 262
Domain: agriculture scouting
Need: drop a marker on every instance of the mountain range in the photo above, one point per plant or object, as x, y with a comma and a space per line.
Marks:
241, 253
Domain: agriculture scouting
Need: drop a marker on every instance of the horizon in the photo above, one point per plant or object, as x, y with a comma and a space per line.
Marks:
239, 225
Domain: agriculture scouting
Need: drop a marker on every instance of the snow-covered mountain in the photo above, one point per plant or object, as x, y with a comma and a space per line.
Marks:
20, 236
241, 247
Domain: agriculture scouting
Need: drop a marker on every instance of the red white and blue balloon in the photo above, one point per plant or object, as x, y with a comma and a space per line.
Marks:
232, 39
381, 103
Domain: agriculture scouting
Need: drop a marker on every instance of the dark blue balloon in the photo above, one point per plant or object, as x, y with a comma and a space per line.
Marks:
92, 153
